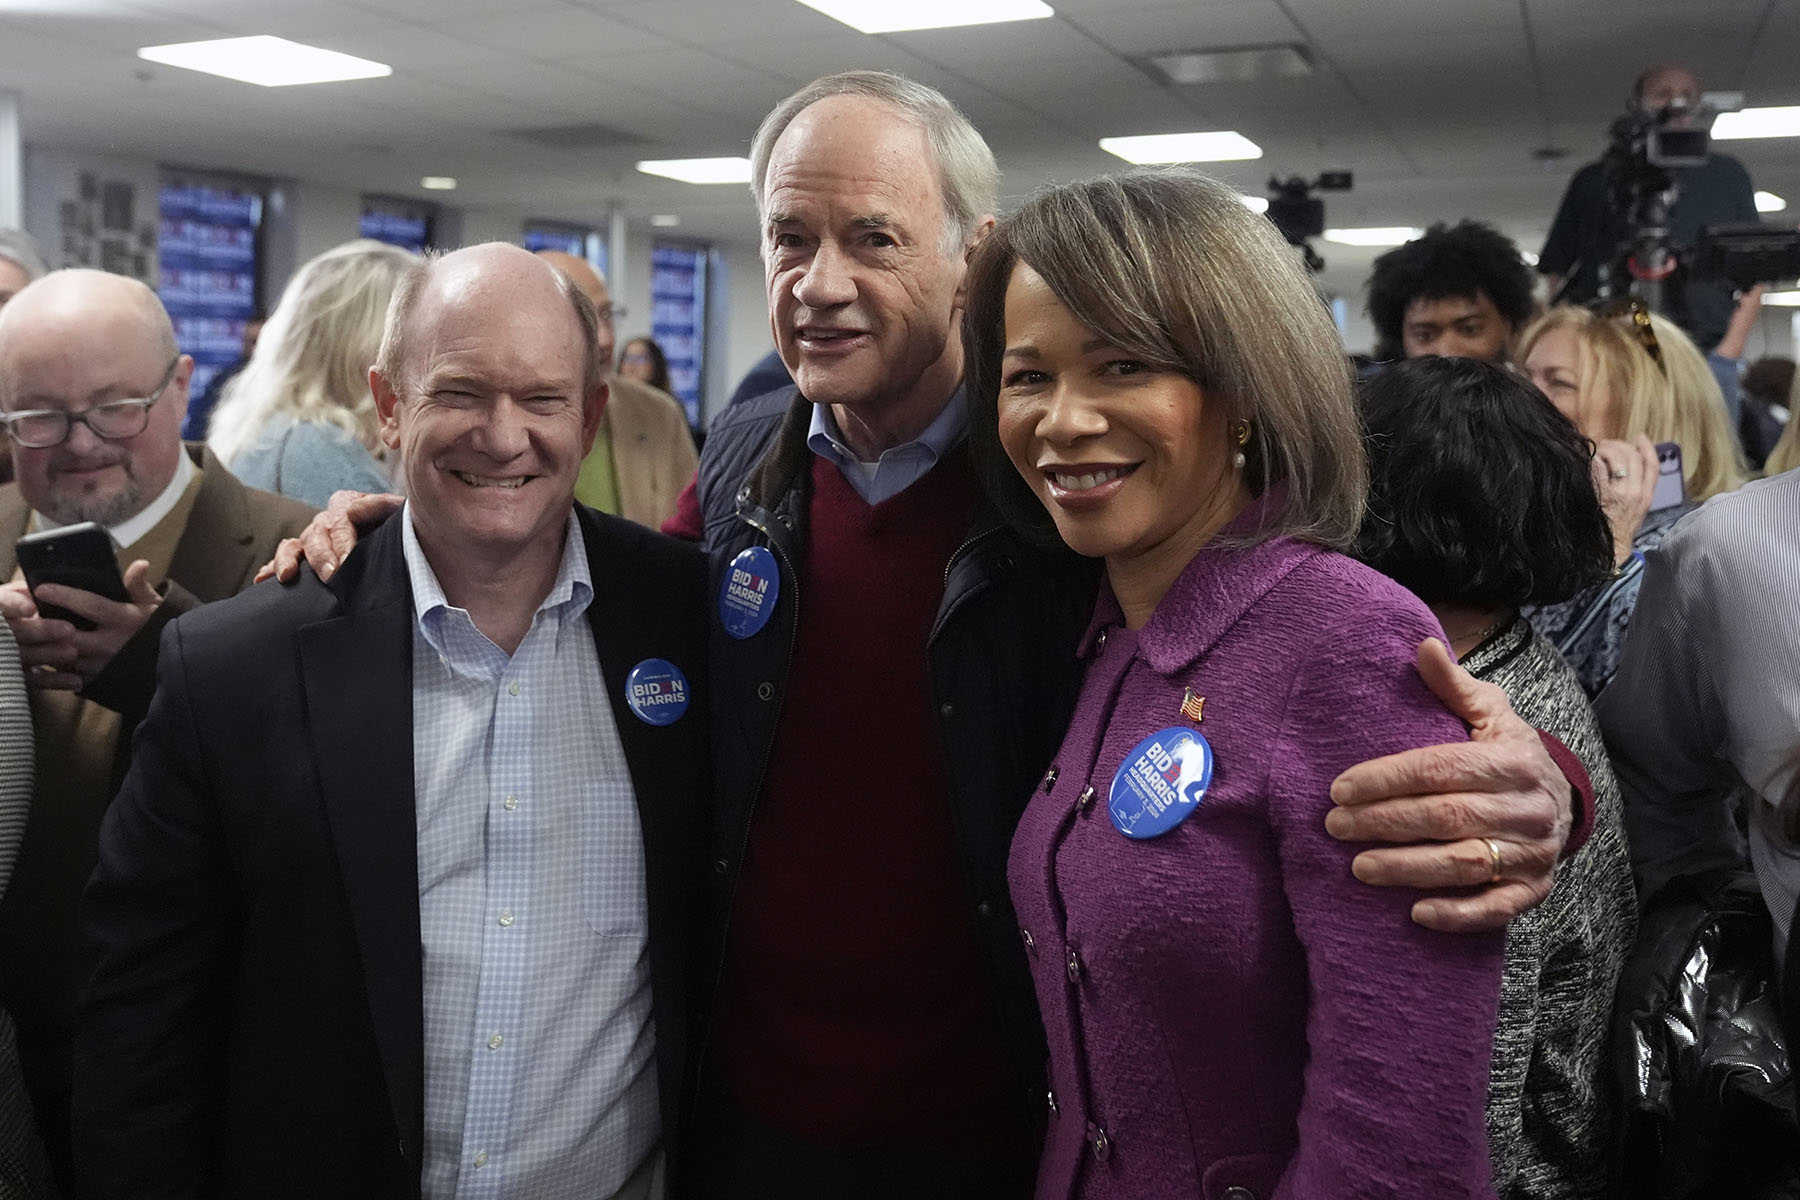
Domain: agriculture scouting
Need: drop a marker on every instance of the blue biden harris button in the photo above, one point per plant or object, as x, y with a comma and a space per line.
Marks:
1161, 782
657, 692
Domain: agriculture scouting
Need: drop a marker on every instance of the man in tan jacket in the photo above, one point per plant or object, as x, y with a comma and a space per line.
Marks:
94, 388
645, 454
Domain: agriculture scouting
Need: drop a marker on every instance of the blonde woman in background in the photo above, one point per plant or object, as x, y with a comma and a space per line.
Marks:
299, 419
1629, 380
1786, 454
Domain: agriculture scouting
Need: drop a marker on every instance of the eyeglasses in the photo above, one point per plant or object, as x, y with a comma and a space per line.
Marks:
609, 313
1640, 321
116, 420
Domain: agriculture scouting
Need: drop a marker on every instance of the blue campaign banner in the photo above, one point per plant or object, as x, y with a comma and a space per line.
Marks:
207, 257
678, 318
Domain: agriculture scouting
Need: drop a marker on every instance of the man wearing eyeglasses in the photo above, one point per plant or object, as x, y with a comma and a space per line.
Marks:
92, 390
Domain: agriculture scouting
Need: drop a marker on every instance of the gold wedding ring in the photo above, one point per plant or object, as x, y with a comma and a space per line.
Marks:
1493, 859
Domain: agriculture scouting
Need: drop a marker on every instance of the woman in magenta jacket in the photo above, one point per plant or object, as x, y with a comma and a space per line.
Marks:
1230, 1013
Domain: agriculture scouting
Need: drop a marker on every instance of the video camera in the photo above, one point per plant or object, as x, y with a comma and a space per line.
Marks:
1646, 145
1299, 214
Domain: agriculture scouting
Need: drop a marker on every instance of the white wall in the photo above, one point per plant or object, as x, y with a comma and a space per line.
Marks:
747, 337
53, 178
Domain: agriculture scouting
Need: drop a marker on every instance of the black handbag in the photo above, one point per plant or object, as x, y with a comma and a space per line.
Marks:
1704, 1048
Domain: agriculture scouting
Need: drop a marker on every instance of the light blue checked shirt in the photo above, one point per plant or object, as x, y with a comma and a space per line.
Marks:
540, 1073
899, 467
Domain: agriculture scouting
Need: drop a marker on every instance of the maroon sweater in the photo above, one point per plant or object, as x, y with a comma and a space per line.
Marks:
856, 1006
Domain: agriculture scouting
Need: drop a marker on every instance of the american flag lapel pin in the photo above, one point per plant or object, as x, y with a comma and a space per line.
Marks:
1193, 707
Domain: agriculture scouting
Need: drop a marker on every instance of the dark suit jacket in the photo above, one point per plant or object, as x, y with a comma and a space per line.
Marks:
254, 1023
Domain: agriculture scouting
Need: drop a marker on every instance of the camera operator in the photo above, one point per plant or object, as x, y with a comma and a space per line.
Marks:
1591, 225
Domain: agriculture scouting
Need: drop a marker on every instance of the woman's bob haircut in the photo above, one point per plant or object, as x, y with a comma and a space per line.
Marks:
1171, 268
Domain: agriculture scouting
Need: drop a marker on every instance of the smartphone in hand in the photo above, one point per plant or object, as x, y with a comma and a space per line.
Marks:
1670, 490
78, 556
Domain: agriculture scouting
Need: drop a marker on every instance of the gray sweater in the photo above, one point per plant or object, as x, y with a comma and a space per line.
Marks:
1550, 1106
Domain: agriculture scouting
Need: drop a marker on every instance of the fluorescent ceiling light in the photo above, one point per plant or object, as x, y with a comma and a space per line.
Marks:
1782, 300
1381, 235
267, 61
665, 220
1757, 123
438, 183
896, 16
1531, 260
1769, 202
1221, 146
699, 170
1241, 64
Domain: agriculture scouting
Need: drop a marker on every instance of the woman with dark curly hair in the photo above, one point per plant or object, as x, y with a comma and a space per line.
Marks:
1480, 502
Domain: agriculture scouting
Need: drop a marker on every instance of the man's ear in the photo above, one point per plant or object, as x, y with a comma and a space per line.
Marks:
983, 227
387, 408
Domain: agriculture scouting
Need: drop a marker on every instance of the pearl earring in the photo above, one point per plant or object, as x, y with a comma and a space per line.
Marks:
1243, 437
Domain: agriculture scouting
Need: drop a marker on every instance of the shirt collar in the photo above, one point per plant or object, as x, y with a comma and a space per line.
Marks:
826, 440
570, 593
132, 530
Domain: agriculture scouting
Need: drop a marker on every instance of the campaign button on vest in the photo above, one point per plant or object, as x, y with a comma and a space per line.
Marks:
748, 592
657, 692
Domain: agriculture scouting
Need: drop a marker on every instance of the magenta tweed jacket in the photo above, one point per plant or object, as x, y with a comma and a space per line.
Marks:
1230, 1013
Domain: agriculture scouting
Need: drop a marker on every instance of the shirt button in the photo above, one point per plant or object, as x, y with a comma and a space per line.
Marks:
506, 917
494, 1042
511, 803
481, 1159
984, 909
1086, 798
1049, 779
512, 689
946, 710
765, 691
1074, 966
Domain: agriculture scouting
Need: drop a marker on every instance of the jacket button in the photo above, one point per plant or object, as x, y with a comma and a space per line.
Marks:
765, 691
743, 494
1074, 966
1100, 642
1239, 1193
1086, 798
1030, 942
1052, 1098
1050, 779
1098, 1142
720, 866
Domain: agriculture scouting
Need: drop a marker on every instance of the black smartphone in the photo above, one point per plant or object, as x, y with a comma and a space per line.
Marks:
1670, 490
78, 556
